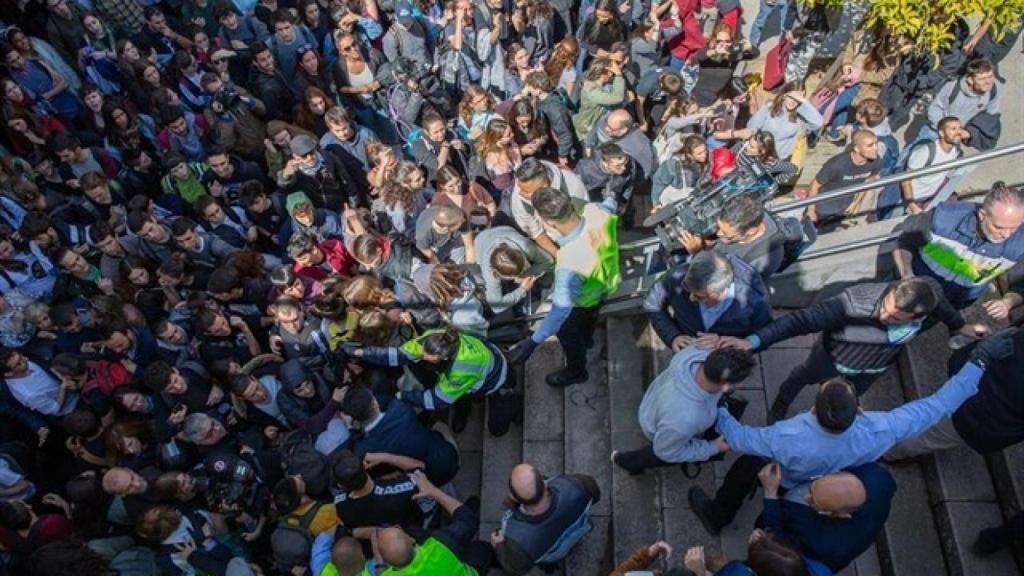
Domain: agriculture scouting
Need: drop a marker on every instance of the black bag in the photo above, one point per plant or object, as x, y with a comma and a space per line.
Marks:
292, 540
302, 459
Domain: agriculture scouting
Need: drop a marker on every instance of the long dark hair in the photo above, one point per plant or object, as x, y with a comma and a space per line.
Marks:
593, 26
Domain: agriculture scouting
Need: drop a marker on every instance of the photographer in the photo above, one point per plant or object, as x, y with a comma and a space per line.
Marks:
236, 117
747, 231
717, 61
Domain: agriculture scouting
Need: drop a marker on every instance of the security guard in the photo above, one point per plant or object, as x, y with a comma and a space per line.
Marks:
586, 271
452, 365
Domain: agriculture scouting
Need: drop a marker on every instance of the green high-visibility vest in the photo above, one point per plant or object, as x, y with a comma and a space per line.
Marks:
433, 559
331, 570
594, 255
473, 362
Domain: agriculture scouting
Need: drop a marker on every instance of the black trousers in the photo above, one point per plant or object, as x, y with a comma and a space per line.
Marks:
576, 335
740, 481
819, 367
638, 460
479, 555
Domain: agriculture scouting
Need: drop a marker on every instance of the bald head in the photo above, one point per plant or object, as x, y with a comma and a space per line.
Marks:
838, 494
347, 556
526, 484
619, 123
396, 547
862, 137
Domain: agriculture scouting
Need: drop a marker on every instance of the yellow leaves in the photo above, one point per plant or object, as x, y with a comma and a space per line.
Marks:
929, 24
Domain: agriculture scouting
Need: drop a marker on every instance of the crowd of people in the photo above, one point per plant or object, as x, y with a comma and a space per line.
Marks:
260, 258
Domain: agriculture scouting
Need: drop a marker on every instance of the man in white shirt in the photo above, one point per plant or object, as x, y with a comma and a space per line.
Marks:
919, 192
34, 388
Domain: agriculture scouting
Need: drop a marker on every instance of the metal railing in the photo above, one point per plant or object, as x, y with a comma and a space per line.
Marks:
650, 244
865, 186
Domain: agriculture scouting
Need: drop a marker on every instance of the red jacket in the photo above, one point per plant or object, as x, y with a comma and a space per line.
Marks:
691, 39
335, 256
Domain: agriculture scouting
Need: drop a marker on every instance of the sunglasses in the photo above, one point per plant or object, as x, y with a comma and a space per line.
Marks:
218, 60
347, 47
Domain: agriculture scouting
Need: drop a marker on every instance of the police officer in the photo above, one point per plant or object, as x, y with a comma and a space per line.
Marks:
452, 365
586, 271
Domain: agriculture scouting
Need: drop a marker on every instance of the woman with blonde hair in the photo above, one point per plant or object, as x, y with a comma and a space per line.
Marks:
384, 162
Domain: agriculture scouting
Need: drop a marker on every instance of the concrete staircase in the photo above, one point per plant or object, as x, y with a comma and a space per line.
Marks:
936, 513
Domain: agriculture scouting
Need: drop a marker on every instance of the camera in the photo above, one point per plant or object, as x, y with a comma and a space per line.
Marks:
698, 213
232, 485
228, 97
405, 70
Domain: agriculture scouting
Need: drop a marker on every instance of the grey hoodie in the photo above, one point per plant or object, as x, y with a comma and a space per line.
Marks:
675, 410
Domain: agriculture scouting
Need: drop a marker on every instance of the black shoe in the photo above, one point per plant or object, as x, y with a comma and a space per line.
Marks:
698, 503
987, 543
564, 378
460, 416
777, 411
630, 471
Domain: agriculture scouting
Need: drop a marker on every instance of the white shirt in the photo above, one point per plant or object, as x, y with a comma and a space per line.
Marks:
924, 187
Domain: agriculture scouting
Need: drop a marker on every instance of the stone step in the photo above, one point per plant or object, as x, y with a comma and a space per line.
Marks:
1008, 476
635, 500
498, 457
587, 447
959, 484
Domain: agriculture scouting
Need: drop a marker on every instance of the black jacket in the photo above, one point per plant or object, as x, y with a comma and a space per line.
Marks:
330, 187
673, 314
275, 93
993, 418
559, 123
851, 332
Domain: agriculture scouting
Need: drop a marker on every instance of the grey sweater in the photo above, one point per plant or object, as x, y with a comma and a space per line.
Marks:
675, 411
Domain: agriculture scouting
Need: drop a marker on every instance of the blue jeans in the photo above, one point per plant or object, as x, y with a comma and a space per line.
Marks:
841, 111
763, 13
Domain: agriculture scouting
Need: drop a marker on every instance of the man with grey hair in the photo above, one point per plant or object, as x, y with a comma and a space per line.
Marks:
964, 246
710, 293
203, 430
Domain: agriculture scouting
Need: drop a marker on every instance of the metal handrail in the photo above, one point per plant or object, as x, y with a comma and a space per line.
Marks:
863, 186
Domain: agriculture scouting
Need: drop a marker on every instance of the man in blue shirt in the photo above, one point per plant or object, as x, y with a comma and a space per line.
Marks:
836, 434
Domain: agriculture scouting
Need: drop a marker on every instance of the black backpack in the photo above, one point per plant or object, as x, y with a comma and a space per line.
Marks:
292, 539
302, 459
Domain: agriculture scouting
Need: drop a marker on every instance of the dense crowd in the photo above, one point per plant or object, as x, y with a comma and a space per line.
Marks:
259, 259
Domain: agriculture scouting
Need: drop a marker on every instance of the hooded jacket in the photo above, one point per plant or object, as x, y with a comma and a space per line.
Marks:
325, 224
309, 414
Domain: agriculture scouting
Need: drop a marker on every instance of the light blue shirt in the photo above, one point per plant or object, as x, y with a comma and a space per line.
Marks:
710, 314
807, 451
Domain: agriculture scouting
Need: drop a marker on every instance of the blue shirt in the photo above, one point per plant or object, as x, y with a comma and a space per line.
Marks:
806, 451
710, 314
